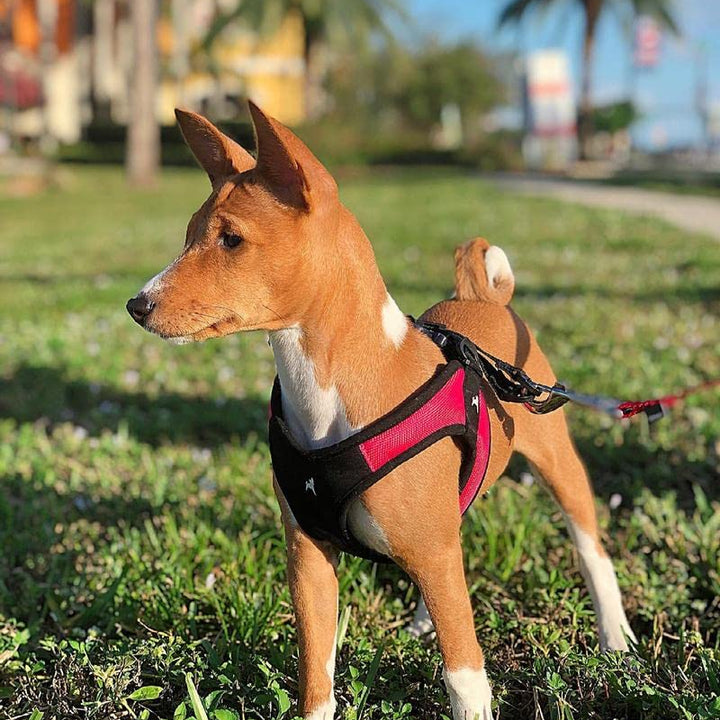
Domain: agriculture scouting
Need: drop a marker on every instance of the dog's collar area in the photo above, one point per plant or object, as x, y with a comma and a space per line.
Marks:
321, 485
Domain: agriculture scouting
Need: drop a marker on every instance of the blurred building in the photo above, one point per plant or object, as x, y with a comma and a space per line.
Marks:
40, 72
66, 63
270, 70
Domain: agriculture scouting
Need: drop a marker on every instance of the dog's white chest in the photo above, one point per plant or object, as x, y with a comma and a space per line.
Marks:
317, 418
315, 415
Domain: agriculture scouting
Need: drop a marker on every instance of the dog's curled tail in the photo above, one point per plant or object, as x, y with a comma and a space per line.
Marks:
482, 272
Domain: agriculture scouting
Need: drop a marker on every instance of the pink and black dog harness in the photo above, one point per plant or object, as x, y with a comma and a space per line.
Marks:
320, 485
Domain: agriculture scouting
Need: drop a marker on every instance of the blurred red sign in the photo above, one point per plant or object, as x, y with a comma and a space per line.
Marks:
20, 89
647, 42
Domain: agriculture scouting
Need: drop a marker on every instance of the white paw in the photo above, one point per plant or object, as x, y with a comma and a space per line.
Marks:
617, 637
470, 694
597, 570
324, 712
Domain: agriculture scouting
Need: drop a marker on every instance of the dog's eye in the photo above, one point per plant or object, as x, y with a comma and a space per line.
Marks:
230, 240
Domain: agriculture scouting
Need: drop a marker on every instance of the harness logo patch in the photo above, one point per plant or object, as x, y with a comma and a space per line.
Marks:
476, 403
310, 486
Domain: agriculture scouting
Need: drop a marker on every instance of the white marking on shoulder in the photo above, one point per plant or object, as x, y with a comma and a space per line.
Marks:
316, 415
366, 529
325, 712
599, 575
497, 265
470, 694
394, 322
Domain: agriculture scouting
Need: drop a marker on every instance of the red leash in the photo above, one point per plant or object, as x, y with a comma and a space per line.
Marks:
655, 408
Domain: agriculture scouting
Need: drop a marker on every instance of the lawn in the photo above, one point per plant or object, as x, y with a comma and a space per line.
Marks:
141, 554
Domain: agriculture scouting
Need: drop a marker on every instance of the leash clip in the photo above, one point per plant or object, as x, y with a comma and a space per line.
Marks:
553, 401
512, 384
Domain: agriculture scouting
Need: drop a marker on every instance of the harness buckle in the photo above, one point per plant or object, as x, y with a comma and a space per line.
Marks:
434, 331
552, 402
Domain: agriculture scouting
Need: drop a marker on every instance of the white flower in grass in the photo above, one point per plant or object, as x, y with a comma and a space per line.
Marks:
201, 455
79, 432
615, 501
131, 377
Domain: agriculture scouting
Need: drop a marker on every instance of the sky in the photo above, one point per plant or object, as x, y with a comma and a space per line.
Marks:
666, 94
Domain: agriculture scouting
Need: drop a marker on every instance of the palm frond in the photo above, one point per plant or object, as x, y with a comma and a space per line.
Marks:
262, 16
342, 22
515, 10
661, 10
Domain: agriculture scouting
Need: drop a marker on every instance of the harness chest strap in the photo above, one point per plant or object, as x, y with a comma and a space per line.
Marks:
320, 485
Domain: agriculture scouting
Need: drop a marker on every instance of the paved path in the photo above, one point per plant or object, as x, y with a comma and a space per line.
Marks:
697, 214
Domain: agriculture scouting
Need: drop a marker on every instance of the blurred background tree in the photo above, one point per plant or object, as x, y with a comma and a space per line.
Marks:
398, 95
97, 81
614, 117
660, 10
444, 75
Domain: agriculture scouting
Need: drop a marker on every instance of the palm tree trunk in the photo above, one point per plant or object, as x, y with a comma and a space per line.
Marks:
585, 124
48, 16
142, 154
103, 58
315, 70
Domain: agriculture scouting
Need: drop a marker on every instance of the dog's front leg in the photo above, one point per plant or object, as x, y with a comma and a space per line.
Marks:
312, 573
441, 579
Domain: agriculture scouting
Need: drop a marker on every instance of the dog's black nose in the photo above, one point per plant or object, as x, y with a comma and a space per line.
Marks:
140, 307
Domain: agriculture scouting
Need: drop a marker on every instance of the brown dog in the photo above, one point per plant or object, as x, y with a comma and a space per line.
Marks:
274, 249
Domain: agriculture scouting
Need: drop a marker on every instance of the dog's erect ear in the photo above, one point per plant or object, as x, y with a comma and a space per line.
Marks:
289, 169
218, 155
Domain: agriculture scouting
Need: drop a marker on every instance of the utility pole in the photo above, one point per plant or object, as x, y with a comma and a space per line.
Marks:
180, 10
701, 95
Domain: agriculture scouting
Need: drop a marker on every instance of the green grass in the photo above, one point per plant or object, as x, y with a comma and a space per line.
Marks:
141, 555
